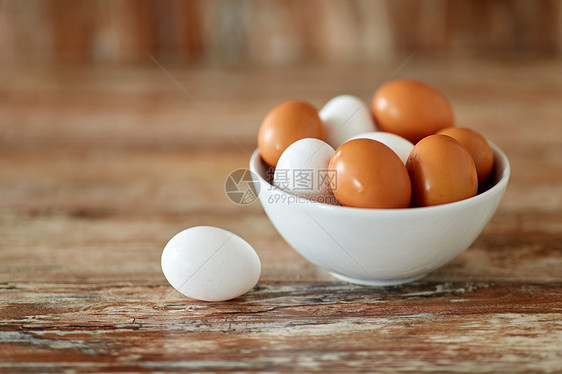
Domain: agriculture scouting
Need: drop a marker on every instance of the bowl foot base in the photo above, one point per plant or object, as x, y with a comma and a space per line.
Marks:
377, 283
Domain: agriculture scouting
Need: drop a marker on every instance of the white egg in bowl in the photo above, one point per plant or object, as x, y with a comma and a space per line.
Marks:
379, 247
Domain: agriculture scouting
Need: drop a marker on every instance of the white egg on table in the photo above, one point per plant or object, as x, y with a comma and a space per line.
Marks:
402, 147
210, 264
345, 116
302, 170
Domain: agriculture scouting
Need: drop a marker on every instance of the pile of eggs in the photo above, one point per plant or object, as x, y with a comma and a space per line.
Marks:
402, 152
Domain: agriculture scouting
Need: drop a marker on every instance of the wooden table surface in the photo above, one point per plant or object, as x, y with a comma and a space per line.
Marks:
100, 167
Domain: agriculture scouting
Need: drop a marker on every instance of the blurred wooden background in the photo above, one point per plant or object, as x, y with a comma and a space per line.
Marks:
272, 32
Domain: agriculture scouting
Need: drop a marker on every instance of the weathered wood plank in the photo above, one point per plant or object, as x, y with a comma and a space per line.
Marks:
99, 168
318, 326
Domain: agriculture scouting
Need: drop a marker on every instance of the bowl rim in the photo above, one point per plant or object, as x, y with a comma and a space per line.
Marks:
497, 187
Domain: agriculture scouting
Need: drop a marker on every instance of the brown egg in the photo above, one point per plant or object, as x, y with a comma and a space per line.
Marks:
441, 171
411, 109
477, 146
369, 175
284, 125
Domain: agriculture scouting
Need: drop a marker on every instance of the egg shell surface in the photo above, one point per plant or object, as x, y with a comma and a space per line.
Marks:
402, 147
303, 170
284, 125
411, 109
441, 171
477, 146
369, 175
210, 264
345, 116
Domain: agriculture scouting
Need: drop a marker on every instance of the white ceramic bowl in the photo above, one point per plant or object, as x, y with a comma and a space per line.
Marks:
380, 247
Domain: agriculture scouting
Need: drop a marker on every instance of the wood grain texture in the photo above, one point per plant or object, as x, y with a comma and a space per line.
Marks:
100, 167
